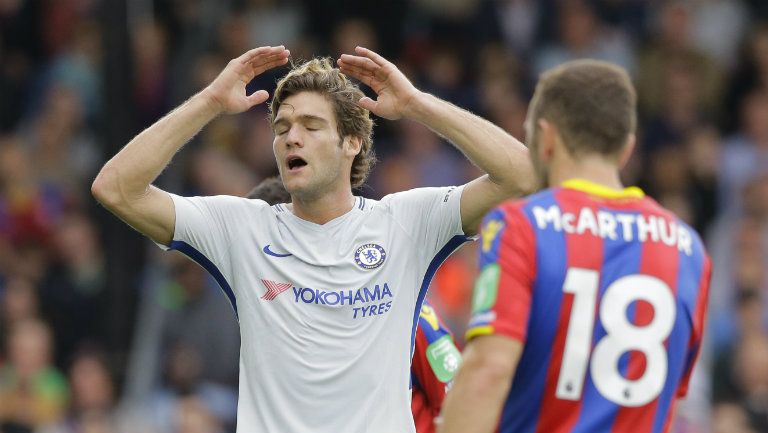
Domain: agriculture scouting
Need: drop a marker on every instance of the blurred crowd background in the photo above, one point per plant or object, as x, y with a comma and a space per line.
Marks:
102, 332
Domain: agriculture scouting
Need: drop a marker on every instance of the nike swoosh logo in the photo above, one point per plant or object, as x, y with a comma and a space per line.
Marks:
274, 254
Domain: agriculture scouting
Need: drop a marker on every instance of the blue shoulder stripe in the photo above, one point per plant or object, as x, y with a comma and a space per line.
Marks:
208, 265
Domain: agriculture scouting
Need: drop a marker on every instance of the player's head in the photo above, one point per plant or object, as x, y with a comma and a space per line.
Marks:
271, 190
584, 108
315, 105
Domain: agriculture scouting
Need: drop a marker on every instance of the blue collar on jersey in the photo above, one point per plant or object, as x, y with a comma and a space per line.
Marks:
602, 190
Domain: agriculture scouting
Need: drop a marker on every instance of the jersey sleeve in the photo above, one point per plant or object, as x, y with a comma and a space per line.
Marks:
699, 322
430, 216
203, 230
435, 358
501, 298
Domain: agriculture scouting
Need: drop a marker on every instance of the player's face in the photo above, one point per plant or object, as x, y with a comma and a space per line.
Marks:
310, 154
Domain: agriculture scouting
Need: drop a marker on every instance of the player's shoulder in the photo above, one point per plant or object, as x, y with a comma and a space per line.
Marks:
518, 208
651, 207
262, 206
417, 194
223, 200
419, 201
229, 206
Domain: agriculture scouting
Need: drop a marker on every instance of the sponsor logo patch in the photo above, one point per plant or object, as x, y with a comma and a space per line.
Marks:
486, 288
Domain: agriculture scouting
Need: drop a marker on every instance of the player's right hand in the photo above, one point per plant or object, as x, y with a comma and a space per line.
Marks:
227, 92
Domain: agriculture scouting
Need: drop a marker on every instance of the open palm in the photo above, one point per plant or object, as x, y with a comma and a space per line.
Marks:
228, 89
393, 90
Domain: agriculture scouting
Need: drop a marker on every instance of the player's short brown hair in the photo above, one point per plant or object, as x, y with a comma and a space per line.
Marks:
592, 104
318, 75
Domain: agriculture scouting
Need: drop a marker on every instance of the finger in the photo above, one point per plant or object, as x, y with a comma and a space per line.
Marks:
270, 61
248, 56
258, 97
381, 61
258, 69
360, 62
270, 56
263, 65
363, 77
368, 104
367, 65
354, 70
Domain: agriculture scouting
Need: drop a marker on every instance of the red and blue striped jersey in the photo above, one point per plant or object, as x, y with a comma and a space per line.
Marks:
607, 291
435, 361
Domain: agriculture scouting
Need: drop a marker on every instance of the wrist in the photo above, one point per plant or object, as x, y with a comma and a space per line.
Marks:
212, 104
417, 107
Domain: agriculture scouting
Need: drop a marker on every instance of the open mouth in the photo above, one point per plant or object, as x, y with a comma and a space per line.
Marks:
295, 162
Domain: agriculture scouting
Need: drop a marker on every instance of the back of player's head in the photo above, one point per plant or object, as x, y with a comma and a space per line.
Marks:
592, 104
318, 75
271, 190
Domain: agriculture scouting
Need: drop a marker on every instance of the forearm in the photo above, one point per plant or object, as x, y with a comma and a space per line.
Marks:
493, 150
473, 405
130, 172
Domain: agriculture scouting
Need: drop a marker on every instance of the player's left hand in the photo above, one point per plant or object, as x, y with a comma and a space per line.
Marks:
394, 92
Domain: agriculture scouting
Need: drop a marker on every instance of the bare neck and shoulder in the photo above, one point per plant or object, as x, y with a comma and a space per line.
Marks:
322, 208
564, 163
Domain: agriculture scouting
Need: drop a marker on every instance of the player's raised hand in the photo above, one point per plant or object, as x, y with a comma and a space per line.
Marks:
227, 91
394, 92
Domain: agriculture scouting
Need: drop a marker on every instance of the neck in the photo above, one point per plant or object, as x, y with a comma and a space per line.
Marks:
324, 208
594, 168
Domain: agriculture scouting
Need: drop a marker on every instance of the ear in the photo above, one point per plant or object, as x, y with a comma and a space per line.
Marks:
352, 145
626, 151
548, 137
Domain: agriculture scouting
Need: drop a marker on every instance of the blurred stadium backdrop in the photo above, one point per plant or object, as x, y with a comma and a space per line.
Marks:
105, 333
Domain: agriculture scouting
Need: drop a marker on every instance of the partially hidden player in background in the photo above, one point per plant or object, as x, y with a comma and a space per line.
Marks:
589, 309
328, 288
435, 355
436, 359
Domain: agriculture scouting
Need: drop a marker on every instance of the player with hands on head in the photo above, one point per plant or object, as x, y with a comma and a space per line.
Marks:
327, 288
435, 355
589, 309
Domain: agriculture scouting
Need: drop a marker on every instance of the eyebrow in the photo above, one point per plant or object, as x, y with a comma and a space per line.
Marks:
302, 118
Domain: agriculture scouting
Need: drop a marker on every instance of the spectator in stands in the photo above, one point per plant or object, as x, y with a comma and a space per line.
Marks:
93, 397
32, 392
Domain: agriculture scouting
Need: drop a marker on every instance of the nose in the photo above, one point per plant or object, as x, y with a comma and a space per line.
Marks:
293, 137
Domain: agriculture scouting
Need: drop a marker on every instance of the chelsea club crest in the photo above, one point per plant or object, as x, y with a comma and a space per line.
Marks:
370, 256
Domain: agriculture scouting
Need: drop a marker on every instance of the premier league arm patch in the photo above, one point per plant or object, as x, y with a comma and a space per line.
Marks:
483, 300
444, 358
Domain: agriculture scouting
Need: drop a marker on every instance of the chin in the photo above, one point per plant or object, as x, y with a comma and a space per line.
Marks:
291, 187
299, 189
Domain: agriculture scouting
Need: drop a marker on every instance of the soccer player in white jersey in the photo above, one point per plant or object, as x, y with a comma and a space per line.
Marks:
327, 289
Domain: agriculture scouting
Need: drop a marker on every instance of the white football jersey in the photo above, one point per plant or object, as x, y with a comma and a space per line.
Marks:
327, 312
